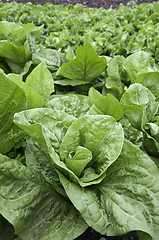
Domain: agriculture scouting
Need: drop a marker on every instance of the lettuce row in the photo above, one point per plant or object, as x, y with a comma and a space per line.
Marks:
113, 32
81, 167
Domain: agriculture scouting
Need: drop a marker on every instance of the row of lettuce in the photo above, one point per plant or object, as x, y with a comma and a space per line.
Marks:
122, 31
79, 131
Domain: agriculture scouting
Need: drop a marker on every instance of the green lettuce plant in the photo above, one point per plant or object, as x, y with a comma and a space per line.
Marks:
68, 160
80, 170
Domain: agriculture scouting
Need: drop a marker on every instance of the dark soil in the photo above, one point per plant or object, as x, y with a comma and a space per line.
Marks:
87, 3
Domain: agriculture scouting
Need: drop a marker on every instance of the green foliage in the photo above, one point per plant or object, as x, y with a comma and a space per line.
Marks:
79, 123
12, 100
104, 203
139, 105
123, 31
108, 105
38, 200
86, 67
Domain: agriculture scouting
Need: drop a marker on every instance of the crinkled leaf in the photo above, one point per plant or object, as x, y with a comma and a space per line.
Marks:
76, 105
15, 31
46, 127
13, 51
17, 47
50, 56
33, 207
8, 27
26, 30
132, 134
151, 81
79, 161
108, 105
137, 63
34, 99
69, 53
139, 104
86, 67
37, 159
12, 100
127, 199
37, 122
99, 134
114, 80
40, 79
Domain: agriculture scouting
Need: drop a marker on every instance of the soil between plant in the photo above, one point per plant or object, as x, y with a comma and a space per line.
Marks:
90, 234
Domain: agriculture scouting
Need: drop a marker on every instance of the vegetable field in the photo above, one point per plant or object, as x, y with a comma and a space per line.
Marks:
79, 121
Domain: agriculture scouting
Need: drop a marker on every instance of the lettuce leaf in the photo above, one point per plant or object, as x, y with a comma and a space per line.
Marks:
38, 211
139, 105
86, 66
12, 100
108, 105
151, 81
41, 80
127, 199
98, 139
137, 63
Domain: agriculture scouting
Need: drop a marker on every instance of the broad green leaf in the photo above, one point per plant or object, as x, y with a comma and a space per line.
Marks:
27, 29
40, 121
8, 27
14, 31
33, 207
86, 67
137, 63
101, 135
13, 51
79, 161
132, 134
50, 56
76, 105
37, 159
127, 199
12, 100
40, 79
17, 47
139, 104
69, 53
34, 99
46, 127
30, 46
108, 105
114, 79
151, 81
15, 67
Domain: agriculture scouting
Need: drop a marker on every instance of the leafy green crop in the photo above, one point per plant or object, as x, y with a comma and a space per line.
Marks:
79, 121
112, 32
